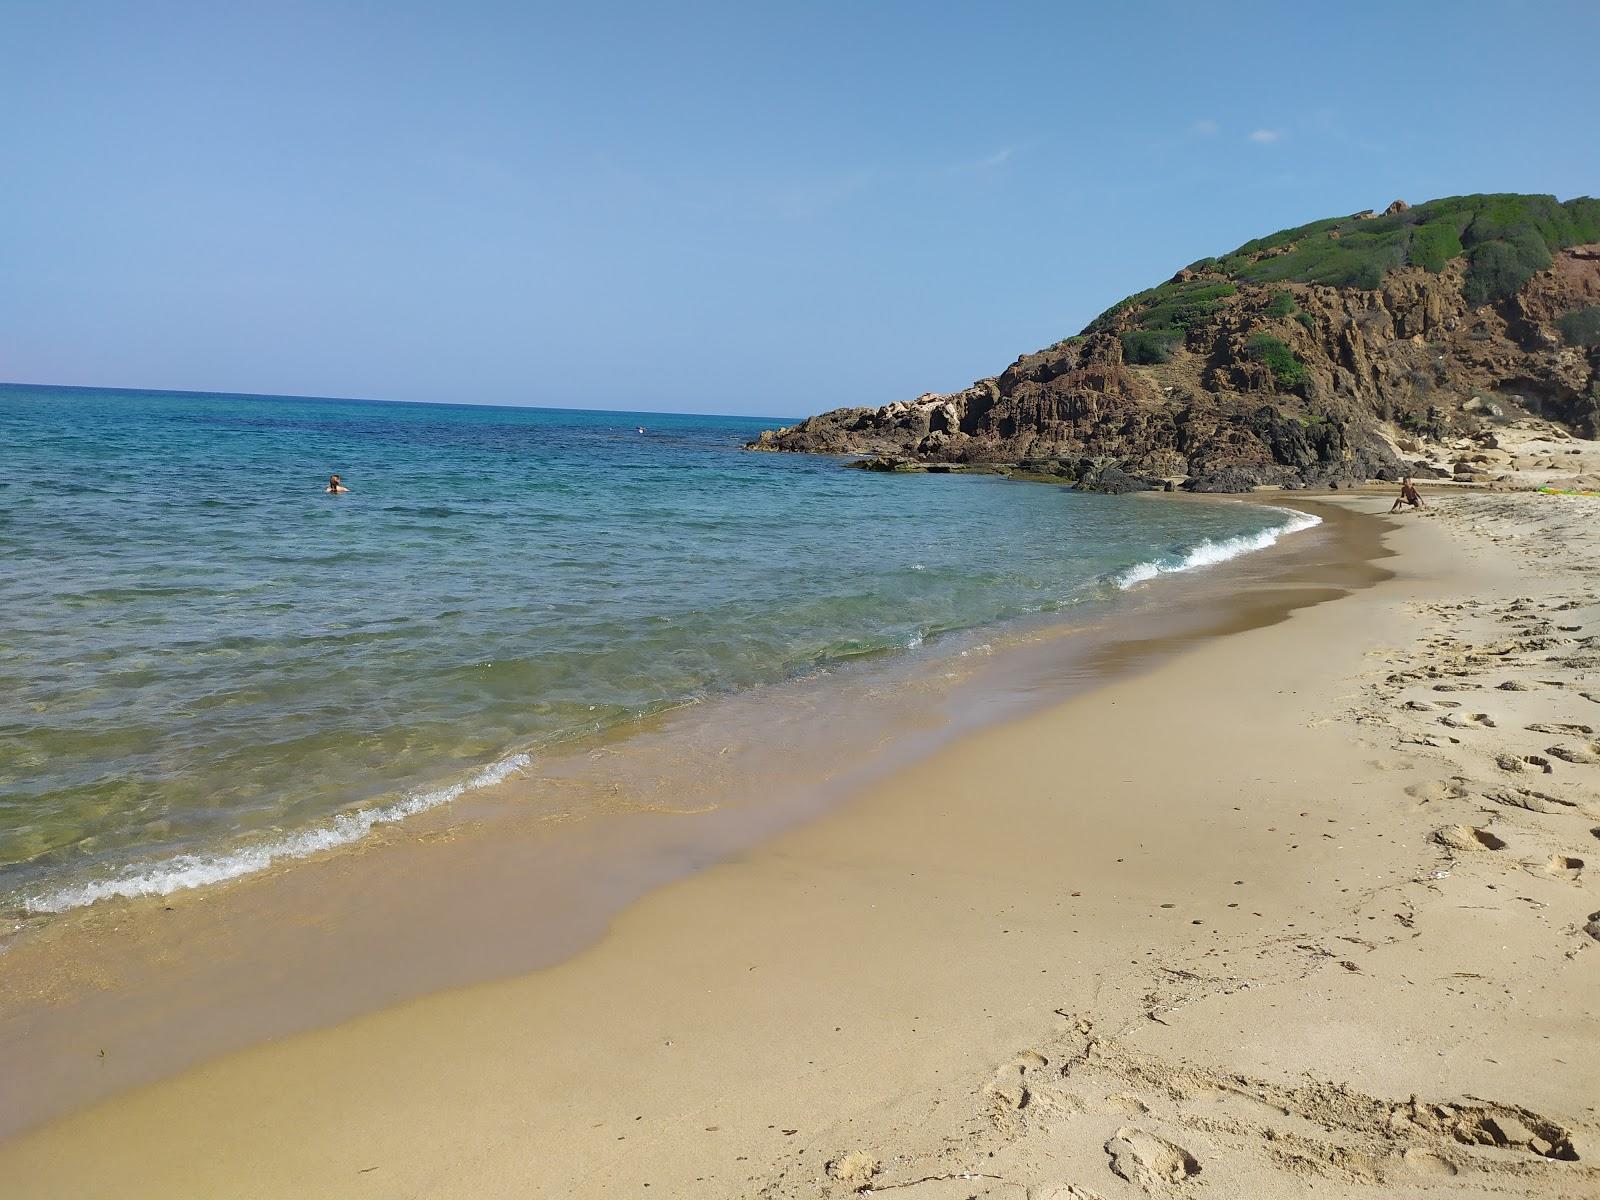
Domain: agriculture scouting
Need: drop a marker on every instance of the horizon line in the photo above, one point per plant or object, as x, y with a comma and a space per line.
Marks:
638, 412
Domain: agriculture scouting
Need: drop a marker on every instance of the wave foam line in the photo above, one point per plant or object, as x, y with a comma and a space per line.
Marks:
1211, 552
184, 871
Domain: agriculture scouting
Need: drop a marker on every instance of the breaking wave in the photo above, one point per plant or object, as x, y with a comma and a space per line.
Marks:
1211, 552
184, 871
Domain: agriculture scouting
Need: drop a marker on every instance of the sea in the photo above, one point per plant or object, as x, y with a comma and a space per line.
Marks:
209, 665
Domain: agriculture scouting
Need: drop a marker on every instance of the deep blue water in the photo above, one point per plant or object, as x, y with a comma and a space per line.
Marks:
203, 657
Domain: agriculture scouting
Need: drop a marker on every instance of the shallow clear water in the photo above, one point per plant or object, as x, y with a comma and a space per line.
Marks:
204, 657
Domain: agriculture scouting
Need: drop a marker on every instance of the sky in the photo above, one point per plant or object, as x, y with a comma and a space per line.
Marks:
754, 207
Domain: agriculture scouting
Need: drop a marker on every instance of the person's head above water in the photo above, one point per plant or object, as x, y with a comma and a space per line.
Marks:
334, 485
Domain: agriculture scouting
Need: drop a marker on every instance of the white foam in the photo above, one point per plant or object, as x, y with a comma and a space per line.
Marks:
1209, 553
184, 871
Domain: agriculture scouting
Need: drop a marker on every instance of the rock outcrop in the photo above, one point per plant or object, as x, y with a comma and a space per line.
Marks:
1284, 383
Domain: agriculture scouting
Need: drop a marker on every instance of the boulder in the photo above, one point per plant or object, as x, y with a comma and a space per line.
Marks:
1229, 479
1115, 481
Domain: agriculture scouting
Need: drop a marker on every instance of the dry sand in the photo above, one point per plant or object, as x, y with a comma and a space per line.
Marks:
1305, 911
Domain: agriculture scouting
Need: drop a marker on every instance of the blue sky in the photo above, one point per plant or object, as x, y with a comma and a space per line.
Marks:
747, 207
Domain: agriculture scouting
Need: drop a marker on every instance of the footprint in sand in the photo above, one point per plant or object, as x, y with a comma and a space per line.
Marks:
1152, 1162
1127, 1106
1389, 764
1467, 838
1426, 1162
1564, 863
1009, 1089
1526, 798
1582, 758
855, 1170
1501, 1126
1442, 789
1510, 762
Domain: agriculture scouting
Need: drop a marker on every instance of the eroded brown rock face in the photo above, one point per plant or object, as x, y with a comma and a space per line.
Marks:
1411, 356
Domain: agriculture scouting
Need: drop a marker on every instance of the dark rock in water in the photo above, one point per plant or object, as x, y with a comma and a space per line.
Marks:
885, 462
1116, 482
1235, 384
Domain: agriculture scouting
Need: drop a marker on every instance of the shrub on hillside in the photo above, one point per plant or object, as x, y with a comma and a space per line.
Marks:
1276, 356
1281, 304
1148, 346
1183, 305
1505, 237
1436, 243
1105, 319
1356, 257
1580, 328
1497, 269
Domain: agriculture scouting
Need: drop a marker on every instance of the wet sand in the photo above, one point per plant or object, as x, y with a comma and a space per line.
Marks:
1233, 921
525, 874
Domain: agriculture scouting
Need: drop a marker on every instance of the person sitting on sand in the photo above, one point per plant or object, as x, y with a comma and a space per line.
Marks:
1408, 495
335, 488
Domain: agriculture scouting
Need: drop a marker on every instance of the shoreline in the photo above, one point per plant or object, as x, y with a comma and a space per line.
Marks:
204, 866
1216, 918
158, 984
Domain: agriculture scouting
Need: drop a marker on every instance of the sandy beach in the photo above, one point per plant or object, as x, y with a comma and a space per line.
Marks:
799, 602
1305, 910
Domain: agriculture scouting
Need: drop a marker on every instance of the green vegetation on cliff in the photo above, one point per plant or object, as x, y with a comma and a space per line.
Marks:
1276, 356
1146, 346
1505, 238
1581, 327
1256, 369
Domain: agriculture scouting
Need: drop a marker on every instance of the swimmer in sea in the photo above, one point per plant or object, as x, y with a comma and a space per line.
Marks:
335, 488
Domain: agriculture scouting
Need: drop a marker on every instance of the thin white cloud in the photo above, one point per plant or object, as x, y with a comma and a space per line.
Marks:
1265, 137
1207, 127
988, 162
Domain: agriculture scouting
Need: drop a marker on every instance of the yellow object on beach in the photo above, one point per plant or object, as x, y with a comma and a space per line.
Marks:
1550, 491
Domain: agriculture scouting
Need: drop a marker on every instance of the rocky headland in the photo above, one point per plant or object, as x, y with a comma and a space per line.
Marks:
1362, 347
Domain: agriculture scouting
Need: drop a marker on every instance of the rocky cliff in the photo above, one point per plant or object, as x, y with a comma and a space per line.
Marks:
1304, 358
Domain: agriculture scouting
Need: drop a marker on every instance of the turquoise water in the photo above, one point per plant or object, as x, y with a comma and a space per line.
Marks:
206, 663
